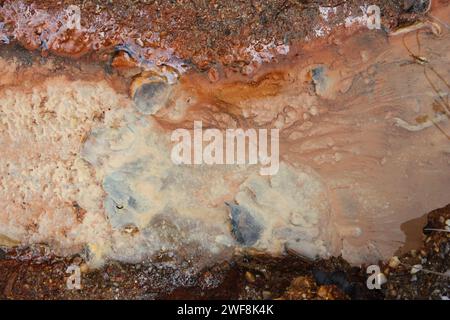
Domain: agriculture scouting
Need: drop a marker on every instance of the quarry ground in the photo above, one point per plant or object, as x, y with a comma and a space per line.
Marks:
212, 40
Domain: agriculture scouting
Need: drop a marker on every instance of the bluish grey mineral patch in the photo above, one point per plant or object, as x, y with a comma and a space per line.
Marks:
245, 228
320, 80
122, 205
150, 97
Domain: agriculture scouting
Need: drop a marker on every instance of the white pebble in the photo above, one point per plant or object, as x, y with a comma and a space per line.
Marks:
416, 268
381, 278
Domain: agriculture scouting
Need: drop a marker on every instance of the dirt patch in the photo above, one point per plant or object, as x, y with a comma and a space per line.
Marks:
198, 33
423, 273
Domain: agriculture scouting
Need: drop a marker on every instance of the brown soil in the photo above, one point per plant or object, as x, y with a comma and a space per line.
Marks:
200, 33
432, 282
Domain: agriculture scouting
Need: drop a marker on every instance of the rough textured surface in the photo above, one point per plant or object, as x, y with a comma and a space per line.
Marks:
204, 33
85, 166
353, 171
33, 274
423, 273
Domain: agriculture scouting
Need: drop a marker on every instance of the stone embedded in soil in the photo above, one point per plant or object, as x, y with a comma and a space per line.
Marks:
151, 97
245, 227
394, 262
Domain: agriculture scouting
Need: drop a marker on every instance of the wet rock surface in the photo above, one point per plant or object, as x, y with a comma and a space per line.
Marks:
32, 273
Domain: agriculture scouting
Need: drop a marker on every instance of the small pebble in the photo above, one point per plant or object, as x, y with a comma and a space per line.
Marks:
77, 261
84, 268
266, 295
394, 262
382, 279
322, 292
140, 42
250, 277
416, 268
